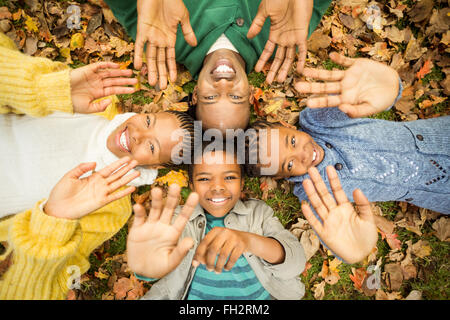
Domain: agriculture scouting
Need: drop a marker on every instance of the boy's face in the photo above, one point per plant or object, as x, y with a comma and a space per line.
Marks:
145, 138
295, 151
223, 94
217, 183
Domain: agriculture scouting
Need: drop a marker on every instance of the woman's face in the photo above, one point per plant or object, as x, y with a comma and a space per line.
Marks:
146, 138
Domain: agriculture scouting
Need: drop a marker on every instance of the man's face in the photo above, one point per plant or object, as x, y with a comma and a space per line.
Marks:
293, 152
217, 183
145, 138
223, 95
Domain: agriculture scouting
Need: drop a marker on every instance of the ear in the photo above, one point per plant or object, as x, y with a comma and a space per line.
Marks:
251, 96
194, 95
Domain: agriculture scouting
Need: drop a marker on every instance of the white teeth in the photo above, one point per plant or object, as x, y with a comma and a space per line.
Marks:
123, 141
216, 200
314, 156
223, 69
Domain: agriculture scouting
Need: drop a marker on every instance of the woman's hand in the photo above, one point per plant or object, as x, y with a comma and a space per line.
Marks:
348, 234
96, 81
74, 197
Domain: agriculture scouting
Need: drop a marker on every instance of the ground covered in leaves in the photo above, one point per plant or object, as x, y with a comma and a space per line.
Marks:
411, 259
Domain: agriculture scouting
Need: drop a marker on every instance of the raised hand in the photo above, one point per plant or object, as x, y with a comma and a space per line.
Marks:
153, 246
348, 234
73, 198
223, 244
157, 26
365, 88
96, 81
289, 24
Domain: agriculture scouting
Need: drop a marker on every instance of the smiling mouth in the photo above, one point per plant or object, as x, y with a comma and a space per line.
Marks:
223, 70
123, 141
219, 201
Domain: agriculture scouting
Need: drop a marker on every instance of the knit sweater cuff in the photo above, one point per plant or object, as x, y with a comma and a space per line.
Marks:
53, 230
54, 91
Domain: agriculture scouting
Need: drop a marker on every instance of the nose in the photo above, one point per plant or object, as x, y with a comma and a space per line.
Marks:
223, 83
136, 135
217, 185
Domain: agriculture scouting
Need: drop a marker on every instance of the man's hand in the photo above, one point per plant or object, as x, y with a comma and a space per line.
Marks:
348, 234
289, 24
73, 198
96, 81
365, 88
223, 244
157, 26
153, 249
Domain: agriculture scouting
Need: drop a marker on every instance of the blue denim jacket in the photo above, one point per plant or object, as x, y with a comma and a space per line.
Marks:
401, 161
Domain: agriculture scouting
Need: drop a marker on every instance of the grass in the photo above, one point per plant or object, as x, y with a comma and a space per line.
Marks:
137, 97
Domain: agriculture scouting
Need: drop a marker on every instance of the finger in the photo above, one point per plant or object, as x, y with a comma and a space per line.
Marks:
322, 189
123, 181
120, 194
302, 50
111, 82
121, 172
357, 110
188, 32
318, 87
335, 185
114, 73
341, 59
99, 106
105, 65
276, 63
284, 70
363, 205
139, 215
108, 170
234, 256
79, 170
265, 55
180, 251
257, 24
223, 256
321, 74
312, 219
171, 64
213, 251
138, 49
186, 212
118, 90
156, 205
315, 199
162, 70
324, 102
173, 198
200, 253
151, 65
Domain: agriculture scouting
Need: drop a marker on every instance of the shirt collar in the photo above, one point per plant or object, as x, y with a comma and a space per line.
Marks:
239, 208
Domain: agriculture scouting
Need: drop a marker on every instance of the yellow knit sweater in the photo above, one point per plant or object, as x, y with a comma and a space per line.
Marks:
45, 250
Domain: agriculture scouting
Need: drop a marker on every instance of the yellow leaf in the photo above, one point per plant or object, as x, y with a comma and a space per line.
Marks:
101, 275
65, 52
31, 24
335, 264
77, 41
177, 177
17, 15
273, 105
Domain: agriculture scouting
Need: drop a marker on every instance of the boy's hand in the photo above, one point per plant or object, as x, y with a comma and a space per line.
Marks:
73, 198
157, 26
227, 244
289, 24
348, 234
366, 88
96, 81
153, 249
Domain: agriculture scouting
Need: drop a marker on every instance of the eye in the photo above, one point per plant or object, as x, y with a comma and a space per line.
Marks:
230, 178
152, 147
293, 141
202, 179
290, 165
148, 121
235, 97
209, 97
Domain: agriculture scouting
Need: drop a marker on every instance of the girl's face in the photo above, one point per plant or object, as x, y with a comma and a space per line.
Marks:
217, 183
145, 138
292, 153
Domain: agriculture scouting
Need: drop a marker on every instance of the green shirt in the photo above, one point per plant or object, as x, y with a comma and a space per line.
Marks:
209, 19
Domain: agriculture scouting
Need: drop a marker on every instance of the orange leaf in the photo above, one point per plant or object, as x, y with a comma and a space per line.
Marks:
358, 277
426, 69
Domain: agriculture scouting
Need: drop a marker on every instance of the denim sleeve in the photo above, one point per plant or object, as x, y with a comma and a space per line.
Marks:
400, 91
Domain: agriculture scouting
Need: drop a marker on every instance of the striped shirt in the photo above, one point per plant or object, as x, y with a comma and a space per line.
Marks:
239, 283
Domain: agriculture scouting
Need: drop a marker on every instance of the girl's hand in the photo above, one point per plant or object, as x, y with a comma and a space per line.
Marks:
96, 81
348, 234
365, 88
153, 246
223, 244
289, 25
73, 198
157, 26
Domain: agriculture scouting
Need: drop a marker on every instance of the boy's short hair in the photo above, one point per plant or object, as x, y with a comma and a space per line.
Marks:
253, 168
221, 147
187, 124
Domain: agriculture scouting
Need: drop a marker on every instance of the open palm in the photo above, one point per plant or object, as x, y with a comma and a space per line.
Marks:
153, 246
365, 88
348, 234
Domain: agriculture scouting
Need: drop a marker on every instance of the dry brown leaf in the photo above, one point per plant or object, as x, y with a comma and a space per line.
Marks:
414, 50
442, 227
310, 243
414, 295
319, 290
393, 275
317, 41
421, 249
421, 10
4, 13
